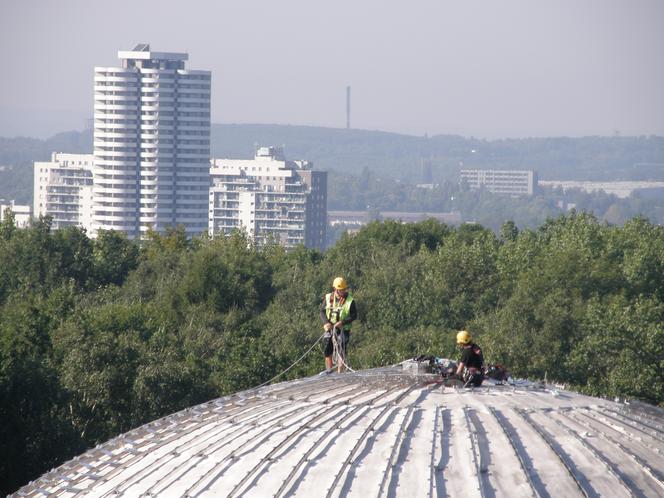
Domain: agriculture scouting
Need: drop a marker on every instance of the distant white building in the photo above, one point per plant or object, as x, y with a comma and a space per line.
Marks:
511, 182
151, 144
621, 189
361, 218
270, 198
22, 213
63, 190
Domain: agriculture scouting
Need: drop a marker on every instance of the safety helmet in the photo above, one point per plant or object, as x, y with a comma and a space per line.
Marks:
463, 337
340, 283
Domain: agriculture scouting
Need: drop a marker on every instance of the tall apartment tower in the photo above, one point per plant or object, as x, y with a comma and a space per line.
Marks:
151, 144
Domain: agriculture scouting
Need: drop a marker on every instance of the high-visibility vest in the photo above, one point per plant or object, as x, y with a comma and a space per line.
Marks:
337, 309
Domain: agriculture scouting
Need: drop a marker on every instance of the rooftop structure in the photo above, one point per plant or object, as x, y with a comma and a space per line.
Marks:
151, 144
269, 197
63, 190
512, 182
381, 432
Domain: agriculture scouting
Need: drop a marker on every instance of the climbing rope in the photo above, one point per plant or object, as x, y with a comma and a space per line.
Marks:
296, 362
339, 353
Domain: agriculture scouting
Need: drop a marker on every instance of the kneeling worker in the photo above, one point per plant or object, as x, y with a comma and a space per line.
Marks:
337, 312
472, 360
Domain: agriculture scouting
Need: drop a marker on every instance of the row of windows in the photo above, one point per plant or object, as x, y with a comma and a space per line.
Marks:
180, 114
124, 140
115, 121
201, 77
124, 112
170, 99
201, 86
115, 149
115, 177
157, 85
176, 151
118, 84
116, 204
132, 82
116, 92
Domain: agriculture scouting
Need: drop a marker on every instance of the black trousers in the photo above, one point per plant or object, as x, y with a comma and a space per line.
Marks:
328, 344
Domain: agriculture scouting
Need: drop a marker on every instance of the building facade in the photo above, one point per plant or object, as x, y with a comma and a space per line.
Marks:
151, 144
270, 198
63, 190
511, 182
22, 213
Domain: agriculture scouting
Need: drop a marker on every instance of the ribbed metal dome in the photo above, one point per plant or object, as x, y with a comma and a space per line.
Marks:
380, 432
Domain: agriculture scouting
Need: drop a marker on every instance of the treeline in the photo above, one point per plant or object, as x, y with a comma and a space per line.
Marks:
370, 192
99, 336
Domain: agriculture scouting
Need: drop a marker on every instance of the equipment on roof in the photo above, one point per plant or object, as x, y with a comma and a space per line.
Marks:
440, 366
497, 372
428, 364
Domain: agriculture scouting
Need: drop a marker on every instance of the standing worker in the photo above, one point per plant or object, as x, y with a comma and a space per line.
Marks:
337, 312
472, 360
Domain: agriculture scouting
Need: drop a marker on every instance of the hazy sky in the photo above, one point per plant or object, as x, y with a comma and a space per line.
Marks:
490, 68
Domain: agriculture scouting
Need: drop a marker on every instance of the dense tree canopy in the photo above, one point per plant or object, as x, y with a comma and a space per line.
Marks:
100, 335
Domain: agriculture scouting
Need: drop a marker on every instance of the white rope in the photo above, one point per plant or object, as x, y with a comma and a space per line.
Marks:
296, 362
338, 351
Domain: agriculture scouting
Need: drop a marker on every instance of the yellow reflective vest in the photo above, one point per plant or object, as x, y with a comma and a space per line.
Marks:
337, 309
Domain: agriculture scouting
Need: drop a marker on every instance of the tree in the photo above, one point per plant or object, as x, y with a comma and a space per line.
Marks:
8, 225
114, 257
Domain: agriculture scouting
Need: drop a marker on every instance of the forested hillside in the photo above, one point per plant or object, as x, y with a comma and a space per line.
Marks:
99, 336
405, 158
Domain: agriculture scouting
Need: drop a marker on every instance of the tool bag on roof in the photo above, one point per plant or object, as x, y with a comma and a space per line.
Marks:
441, 366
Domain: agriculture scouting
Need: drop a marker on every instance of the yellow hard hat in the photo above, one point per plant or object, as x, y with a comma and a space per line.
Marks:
340, 283
463, 337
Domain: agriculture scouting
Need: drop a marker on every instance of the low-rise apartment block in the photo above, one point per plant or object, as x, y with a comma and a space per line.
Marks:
22, 213
63, 190
269, 197
511, 182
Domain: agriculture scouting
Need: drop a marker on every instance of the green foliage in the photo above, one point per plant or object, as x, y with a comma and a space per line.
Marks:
622, 350
114, 257
99, 336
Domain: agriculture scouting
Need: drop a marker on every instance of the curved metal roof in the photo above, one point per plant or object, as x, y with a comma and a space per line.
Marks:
379, 432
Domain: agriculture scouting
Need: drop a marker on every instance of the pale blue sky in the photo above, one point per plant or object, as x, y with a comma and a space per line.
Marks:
509, 68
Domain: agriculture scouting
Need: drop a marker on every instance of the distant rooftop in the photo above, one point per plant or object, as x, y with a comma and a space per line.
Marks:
142, 52
273, 153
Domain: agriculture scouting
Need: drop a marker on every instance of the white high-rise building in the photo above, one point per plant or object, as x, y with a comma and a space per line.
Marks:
151, 144
63, 190
270, 198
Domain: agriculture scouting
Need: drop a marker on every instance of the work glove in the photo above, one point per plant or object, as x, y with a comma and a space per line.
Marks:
327, 326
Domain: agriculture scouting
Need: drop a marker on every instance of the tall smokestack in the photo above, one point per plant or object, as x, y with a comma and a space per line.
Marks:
348, 108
